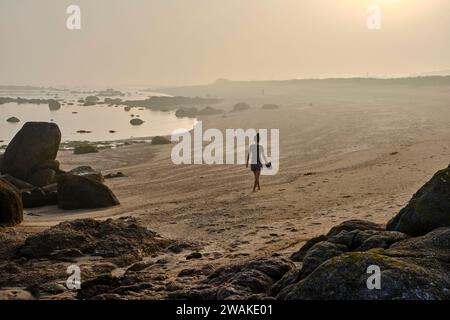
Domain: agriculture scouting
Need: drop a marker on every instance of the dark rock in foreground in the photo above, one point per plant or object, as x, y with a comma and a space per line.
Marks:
78, 192
11, 210
42, 177
19, 184
33, 198
416, 268
428, 209
33, 145
110, 238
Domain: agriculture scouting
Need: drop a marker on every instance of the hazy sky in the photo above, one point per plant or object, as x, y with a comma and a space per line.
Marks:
172, 42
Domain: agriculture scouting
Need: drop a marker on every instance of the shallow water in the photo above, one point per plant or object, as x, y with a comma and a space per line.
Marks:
99, 119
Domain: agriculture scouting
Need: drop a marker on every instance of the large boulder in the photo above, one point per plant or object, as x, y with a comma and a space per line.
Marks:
33, 145
78, 192
35, 197
11, 210
19, 184
415, 268
42, 177
428, 209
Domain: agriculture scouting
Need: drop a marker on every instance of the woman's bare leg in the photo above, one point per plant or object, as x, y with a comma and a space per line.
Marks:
255, 183
257, 174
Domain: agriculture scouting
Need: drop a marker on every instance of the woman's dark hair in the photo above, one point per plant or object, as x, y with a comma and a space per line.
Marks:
257, 137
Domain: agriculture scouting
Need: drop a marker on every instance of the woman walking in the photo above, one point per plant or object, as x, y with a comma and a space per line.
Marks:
256, 152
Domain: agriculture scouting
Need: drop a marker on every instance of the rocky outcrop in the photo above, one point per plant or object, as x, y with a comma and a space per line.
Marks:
240, 281
35, 144
11, 210
416, 268
78, 192
160, 140
110, 238
335, 266
428, 209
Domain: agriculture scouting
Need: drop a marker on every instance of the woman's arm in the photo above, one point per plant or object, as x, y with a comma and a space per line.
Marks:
248, 157
263, 154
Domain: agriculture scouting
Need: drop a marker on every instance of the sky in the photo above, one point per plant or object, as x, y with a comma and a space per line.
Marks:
179, 42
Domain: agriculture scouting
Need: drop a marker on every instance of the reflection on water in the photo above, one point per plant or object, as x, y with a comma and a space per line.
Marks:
99, 119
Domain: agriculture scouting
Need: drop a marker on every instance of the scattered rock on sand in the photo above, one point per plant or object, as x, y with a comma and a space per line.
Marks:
209, 111
160, 140
13, 120
411, 269
428, 209
78, 192
241, 106
115, 175
11, 209
186, 112
270, 107
85, 148
54, 105
33, 145
240, 281
88, 172
110, 238
136, 122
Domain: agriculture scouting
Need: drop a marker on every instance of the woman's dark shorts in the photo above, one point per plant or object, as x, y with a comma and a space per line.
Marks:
256, 167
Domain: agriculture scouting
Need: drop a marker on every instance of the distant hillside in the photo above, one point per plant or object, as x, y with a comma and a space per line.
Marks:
226, 88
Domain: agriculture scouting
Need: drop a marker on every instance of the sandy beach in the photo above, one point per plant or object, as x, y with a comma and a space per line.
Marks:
338, 161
